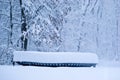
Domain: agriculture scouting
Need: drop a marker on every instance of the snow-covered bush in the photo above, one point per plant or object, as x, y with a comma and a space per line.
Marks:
6, 55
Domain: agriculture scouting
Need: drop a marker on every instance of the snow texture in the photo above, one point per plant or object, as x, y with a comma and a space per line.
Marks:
55, 57
43, 73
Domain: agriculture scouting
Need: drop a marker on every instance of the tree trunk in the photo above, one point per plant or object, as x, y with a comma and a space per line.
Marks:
11, 24
24, 39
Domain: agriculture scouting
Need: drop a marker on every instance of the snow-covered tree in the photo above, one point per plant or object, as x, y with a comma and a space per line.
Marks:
45, 20
60, 25
9, 18
24, 40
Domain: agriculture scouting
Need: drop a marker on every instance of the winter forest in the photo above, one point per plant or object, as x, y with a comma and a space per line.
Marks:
60, 26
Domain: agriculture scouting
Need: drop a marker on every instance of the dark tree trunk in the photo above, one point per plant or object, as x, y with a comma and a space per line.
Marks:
11, 25
24, 39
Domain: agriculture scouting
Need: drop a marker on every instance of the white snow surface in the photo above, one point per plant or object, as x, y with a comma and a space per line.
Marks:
61, 73
55, 57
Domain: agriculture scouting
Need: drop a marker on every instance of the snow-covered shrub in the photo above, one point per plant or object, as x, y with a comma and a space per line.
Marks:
6, 55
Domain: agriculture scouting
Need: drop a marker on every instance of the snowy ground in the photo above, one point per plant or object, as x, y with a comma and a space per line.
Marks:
60, 73
105, 70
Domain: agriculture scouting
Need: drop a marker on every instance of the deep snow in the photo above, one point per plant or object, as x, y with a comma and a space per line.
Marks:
105, 70
61, 73
55, 57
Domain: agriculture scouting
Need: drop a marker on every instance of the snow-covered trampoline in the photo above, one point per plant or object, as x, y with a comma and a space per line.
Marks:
55, 59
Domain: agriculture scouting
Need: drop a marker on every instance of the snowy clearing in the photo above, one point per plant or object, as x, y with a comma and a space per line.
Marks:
61, 73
